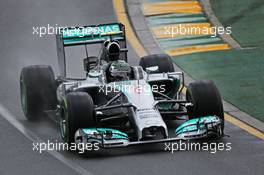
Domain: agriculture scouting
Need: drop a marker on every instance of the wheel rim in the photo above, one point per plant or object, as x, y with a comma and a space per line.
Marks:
62, 127
190, 100
23, 96
63, 123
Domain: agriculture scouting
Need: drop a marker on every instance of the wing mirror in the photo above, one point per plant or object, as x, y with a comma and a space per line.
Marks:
153, 69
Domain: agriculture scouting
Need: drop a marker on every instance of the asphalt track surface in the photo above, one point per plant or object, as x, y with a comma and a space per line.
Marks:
19, 47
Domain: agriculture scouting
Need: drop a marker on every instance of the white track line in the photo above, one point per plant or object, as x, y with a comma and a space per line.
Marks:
34, 138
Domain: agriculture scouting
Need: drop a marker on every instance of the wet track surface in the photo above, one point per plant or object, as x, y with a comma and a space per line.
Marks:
19, 47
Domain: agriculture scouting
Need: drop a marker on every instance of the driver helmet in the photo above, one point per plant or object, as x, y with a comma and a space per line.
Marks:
120, 70
113, 50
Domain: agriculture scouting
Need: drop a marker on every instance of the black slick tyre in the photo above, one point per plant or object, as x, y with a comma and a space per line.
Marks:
37, 90
77, 111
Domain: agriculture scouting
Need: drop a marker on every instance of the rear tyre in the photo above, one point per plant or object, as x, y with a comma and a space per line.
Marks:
163, 61
206, 100
37, 90
77, 111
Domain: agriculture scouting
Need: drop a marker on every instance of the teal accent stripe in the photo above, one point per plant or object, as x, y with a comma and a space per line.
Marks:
116, 133
191, 124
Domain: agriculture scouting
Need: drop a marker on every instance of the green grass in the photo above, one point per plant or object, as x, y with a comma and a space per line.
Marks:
239, 76
246, 17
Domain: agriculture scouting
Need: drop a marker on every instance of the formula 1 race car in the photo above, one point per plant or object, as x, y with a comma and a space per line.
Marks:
117, 104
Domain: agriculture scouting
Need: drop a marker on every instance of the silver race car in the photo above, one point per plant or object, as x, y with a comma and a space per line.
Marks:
116, 104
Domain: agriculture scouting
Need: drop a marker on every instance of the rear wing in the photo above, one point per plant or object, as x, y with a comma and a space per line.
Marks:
93, 34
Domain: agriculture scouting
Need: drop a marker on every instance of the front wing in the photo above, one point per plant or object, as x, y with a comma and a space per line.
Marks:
199, 128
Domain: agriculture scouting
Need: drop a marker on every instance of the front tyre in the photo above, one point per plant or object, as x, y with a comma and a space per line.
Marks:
37, 90
77, 111
206, 100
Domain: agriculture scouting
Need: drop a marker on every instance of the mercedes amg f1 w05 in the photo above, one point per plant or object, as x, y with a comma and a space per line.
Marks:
117, 104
